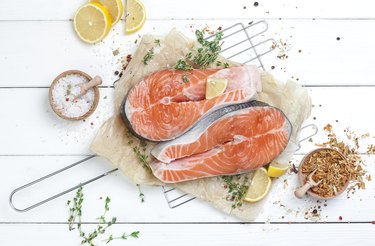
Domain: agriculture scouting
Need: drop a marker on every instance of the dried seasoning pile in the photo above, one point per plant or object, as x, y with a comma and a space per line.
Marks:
354, 168
331, 168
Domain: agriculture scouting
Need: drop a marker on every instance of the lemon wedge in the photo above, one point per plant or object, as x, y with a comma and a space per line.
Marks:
259, 187
215, 87
277, 169
114, 7
92, 22
135, 16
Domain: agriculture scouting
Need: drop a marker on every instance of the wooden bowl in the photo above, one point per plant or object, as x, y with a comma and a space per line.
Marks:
93, 106
302, 177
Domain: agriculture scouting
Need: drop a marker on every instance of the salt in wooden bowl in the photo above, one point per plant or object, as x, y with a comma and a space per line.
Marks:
93, 106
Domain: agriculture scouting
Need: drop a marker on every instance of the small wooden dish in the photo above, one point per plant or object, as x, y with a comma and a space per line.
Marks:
93, 106
303, 178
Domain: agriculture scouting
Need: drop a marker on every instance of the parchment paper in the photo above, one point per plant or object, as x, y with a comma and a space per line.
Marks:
112, 139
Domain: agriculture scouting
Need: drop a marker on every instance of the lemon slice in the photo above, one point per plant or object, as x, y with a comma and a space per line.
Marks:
215, 87
277, 169
114, 7
92, 22
259, 187
135, 16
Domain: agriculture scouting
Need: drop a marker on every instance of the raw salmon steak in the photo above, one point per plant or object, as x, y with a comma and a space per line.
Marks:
168, 103
231, 140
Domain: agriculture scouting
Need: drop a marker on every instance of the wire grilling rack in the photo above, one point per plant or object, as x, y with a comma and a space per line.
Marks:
241, 44
248, 50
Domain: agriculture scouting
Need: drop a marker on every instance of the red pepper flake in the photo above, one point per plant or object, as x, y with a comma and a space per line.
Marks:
373, 222
67, 99
340, 217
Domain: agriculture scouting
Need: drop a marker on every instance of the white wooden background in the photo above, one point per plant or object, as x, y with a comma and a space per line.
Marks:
37, 42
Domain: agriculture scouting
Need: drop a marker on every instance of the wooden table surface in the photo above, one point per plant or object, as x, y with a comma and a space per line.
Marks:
330, 50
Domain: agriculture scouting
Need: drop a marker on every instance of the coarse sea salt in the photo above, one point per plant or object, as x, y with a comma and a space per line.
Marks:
64, 92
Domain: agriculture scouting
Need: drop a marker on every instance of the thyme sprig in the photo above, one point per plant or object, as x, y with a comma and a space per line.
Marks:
75, 213
149, 55
139, 151
237, 188
141, 195
206, 54
124, 236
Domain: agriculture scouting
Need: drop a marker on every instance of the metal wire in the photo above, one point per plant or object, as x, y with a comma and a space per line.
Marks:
58, 194
178, 199
174, 197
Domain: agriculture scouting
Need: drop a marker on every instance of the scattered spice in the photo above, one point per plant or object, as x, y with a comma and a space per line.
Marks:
256, 4
75, 216
294, 169
340, 217
272, 67
283, 47
354, 168
338, 38
237, 186
116, 52
117, 72
157, 42
128, 58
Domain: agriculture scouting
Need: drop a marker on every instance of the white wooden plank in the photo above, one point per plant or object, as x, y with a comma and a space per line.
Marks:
28, 117
52, 47
343, 235
30, 122
281, 205
208, 9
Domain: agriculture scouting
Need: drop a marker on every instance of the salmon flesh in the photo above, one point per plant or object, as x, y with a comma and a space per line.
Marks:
167, 103
231, 140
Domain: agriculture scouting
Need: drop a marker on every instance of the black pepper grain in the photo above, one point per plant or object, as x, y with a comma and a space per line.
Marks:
338, 38
117, 72
256, 4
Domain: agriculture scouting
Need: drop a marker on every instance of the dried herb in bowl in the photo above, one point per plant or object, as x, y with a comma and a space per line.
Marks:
331, 167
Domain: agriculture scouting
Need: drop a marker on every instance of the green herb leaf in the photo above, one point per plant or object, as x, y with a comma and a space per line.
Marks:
237, 186
75, 213
204, 55
149, 55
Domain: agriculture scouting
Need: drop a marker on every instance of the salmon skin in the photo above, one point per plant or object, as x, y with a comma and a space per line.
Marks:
231, 140
167, 103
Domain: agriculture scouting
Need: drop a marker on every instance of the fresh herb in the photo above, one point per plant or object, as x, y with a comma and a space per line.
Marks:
182, 65
141, 195
157, 42
225, 64
149, 55
75, 213
237, 188
205, 55
124, 236
185, 78
139, 151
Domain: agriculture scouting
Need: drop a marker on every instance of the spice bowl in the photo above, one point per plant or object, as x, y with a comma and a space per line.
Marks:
91, 104
323, 161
